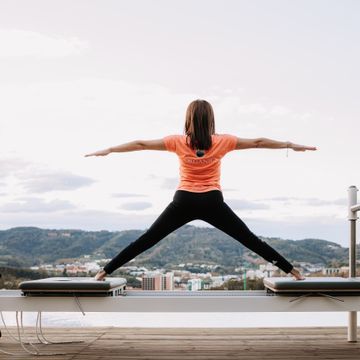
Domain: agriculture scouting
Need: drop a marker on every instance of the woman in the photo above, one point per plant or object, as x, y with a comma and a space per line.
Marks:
199, 195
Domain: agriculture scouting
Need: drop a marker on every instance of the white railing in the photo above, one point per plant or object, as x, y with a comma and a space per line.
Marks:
354, 207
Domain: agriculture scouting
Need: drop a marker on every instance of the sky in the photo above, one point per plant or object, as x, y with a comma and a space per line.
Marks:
80, 76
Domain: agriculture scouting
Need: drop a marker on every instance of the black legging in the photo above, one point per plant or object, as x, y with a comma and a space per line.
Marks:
208, 206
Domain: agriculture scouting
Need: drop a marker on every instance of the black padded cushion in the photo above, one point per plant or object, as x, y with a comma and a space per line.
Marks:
313, 284
72, 283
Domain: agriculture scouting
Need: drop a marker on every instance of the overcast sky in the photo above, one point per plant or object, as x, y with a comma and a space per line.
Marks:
80, 76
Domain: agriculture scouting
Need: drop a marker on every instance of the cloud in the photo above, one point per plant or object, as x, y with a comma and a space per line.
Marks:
126, 195
280, 198
316, 227
165, 182
279, 110
229, 189
36, 205
236, 204
170, 183
231, 106
321, 202
39, 179
10, 166
53, 181
20, 43
309, 201
79, 219
141, 205
341, 201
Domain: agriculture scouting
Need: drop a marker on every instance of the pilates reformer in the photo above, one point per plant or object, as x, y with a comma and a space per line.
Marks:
281, 294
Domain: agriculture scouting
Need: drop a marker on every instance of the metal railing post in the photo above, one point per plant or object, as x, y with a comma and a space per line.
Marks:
352, 217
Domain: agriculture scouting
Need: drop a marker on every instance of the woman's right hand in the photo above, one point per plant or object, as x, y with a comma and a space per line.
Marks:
99, 153
297, 275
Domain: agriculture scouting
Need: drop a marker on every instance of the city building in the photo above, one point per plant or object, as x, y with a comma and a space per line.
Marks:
194, 284
267, 270
157, 281
217, 281
331, 271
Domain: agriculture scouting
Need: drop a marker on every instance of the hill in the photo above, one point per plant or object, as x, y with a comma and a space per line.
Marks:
27, 246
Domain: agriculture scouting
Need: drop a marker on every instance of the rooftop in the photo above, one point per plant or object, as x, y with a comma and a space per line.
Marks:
195, 343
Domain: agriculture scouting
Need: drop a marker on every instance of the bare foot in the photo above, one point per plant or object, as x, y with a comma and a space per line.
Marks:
100, 275
297, 274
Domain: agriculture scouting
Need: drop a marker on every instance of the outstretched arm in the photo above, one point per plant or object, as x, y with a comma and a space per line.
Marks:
132, 146
266, 143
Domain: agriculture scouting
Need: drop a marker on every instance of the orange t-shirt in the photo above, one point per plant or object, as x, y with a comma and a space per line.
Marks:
200, 174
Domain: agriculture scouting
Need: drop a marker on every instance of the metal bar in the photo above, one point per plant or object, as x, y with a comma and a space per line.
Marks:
352, 201
355, 208
352, 216
352, 249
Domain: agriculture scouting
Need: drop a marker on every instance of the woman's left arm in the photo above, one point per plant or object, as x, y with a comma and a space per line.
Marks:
266, 143
135, 145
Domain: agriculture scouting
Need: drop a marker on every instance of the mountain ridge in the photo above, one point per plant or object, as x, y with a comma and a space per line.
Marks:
28, 246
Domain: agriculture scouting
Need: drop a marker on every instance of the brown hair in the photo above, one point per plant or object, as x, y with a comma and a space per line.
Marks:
199, 124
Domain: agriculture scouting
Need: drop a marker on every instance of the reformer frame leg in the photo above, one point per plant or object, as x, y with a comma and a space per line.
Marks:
316, 293
352, 326
79, 304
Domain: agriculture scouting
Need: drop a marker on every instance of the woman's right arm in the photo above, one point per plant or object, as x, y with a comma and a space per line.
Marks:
132, 146
266, 143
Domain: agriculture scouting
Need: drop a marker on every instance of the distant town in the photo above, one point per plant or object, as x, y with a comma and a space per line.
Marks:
179, 278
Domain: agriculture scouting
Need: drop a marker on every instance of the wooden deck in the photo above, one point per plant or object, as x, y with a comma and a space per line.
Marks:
184, 343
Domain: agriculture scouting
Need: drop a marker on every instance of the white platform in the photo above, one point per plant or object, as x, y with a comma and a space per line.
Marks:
179, 301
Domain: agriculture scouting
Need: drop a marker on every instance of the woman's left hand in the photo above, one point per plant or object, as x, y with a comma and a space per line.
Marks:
297, 147
99, 153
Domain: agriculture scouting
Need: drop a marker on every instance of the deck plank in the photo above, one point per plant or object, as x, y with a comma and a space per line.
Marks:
109, 343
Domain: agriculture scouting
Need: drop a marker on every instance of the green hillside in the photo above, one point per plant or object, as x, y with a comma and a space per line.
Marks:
27, 246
